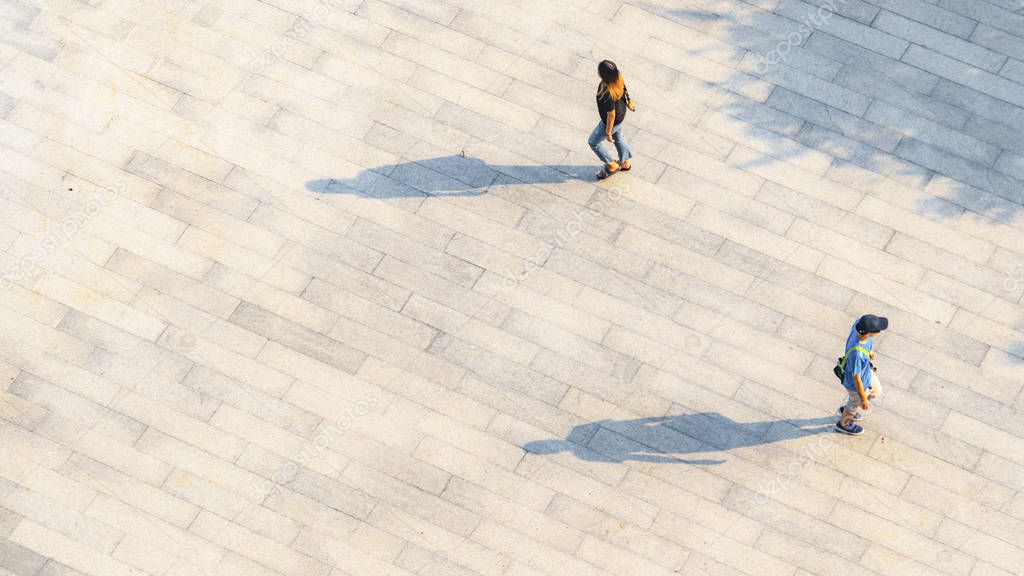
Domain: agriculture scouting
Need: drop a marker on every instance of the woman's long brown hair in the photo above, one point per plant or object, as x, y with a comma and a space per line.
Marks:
611, 80
617, 89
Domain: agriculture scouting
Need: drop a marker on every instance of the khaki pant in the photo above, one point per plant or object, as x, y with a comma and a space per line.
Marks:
853, 403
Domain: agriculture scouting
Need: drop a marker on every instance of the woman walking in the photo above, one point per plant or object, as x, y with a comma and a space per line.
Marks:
612, 102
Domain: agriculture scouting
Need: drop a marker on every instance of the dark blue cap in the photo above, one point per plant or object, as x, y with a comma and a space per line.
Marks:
871, 323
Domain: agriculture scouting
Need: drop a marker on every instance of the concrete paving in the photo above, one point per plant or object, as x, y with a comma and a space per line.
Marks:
311, 288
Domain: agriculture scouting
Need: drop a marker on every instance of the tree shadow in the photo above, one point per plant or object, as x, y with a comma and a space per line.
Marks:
453, 175
863, 107
814, 96
664, 439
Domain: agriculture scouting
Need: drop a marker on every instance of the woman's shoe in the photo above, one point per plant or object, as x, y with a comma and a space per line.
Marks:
625, 166
851, 428
608, 170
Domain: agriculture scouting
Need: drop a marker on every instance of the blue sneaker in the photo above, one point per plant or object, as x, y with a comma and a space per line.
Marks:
852, 429
856, 416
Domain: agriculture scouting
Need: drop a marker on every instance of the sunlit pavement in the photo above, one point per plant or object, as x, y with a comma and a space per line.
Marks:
324, 289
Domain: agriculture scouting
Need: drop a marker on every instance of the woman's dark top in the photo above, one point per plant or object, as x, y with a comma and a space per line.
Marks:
605, 104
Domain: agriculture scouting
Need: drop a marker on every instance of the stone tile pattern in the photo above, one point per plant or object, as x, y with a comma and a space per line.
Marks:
210, 367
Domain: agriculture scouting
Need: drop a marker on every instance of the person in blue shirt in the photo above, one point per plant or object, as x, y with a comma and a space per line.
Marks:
859, 377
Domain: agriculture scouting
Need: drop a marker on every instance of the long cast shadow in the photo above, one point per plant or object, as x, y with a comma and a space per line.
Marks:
664, 439
447, 176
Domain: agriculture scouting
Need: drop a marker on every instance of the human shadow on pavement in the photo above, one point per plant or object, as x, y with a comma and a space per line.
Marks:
447, 176
664, 439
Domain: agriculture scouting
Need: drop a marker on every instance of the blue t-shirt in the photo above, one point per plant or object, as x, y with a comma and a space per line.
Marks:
857, 362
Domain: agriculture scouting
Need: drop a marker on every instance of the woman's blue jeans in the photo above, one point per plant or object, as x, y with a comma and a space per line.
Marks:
597, 141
